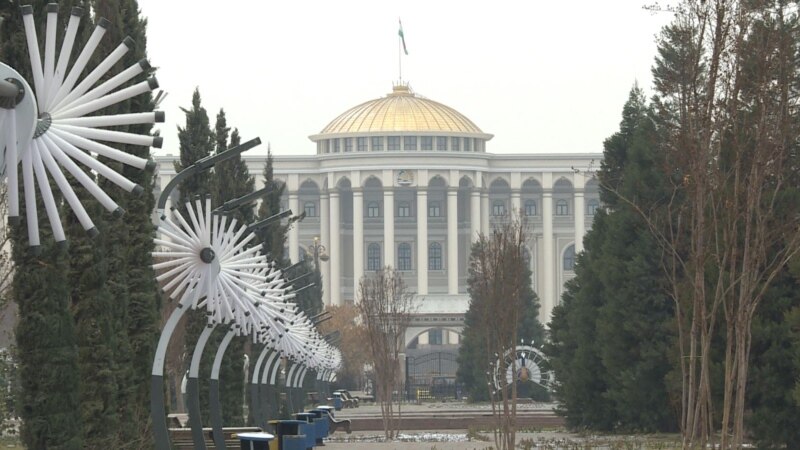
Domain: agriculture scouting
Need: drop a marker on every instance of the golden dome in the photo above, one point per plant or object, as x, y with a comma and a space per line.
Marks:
401, 112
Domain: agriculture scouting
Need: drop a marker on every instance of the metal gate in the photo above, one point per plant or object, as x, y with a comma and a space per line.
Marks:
432, 377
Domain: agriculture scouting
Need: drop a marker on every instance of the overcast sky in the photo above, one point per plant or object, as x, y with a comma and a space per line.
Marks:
541, 76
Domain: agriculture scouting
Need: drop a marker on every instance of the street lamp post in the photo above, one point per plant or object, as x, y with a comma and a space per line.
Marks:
319, 252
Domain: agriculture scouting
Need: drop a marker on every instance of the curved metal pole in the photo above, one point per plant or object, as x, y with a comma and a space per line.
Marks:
255, 401
298, 385
158, 410
216, 407
193, 389
289, 389
267, 380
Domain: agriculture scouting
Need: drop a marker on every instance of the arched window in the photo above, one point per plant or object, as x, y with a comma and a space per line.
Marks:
403, 209
435, 336
530, 207
435, 256
434, 209
374, 256
569, 258
562, 208
310, 209
499, 208
373, 209
404, 256
592, 207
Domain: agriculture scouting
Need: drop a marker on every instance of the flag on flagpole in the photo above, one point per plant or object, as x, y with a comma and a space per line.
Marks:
402, 36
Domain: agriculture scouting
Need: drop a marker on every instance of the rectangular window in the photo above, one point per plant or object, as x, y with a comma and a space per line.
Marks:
310, 208
498, 208
562, 208
348, 145
394, 143
373, 210
455, 144
404, 209
362, 144
377, 143
335, 145
434, 210
467, 144
435, 337
410, 143
441, 143
427, 143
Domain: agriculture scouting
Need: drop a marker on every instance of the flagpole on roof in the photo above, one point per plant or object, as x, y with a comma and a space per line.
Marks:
401, 48
400, 51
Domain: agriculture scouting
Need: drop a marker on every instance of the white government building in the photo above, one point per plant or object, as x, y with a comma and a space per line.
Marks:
408, 182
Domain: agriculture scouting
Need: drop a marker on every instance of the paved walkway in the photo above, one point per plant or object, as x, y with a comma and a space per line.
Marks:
422, 440
549, 437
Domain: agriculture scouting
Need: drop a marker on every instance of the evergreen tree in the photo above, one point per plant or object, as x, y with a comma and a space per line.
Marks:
122, 296
775, 366
474, 356
574, 349
273, 236
231, 180
309, 300
45, 333
138, 321
611, 338
197, 141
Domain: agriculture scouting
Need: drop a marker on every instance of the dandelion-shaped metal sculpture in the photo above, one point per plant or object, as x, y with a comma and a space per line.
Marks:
522, 364
52, 130
205, 262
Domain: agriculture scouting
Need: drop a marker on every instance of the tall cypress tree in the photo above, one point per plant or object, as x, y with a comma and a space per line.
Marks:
273, 237
128, 242
196, 142
45, 333
231, 180
97, 299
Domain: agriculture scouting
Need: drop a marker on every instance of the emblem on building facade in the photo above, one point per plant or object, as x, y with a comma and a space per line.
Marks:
405, 178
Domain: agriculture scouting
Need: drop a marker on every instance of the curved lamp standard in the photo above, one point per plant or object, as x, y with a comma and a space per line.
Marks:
204, 266
55, 129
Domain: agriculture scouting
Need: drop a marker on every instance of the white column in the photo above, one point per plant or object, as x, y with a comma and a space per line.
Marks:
294, 232
358, 239
452, 241
335, 250
325, 240
485, 213
516, 203
580, 220
548, 281
388, 227
422, 241
474, 214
